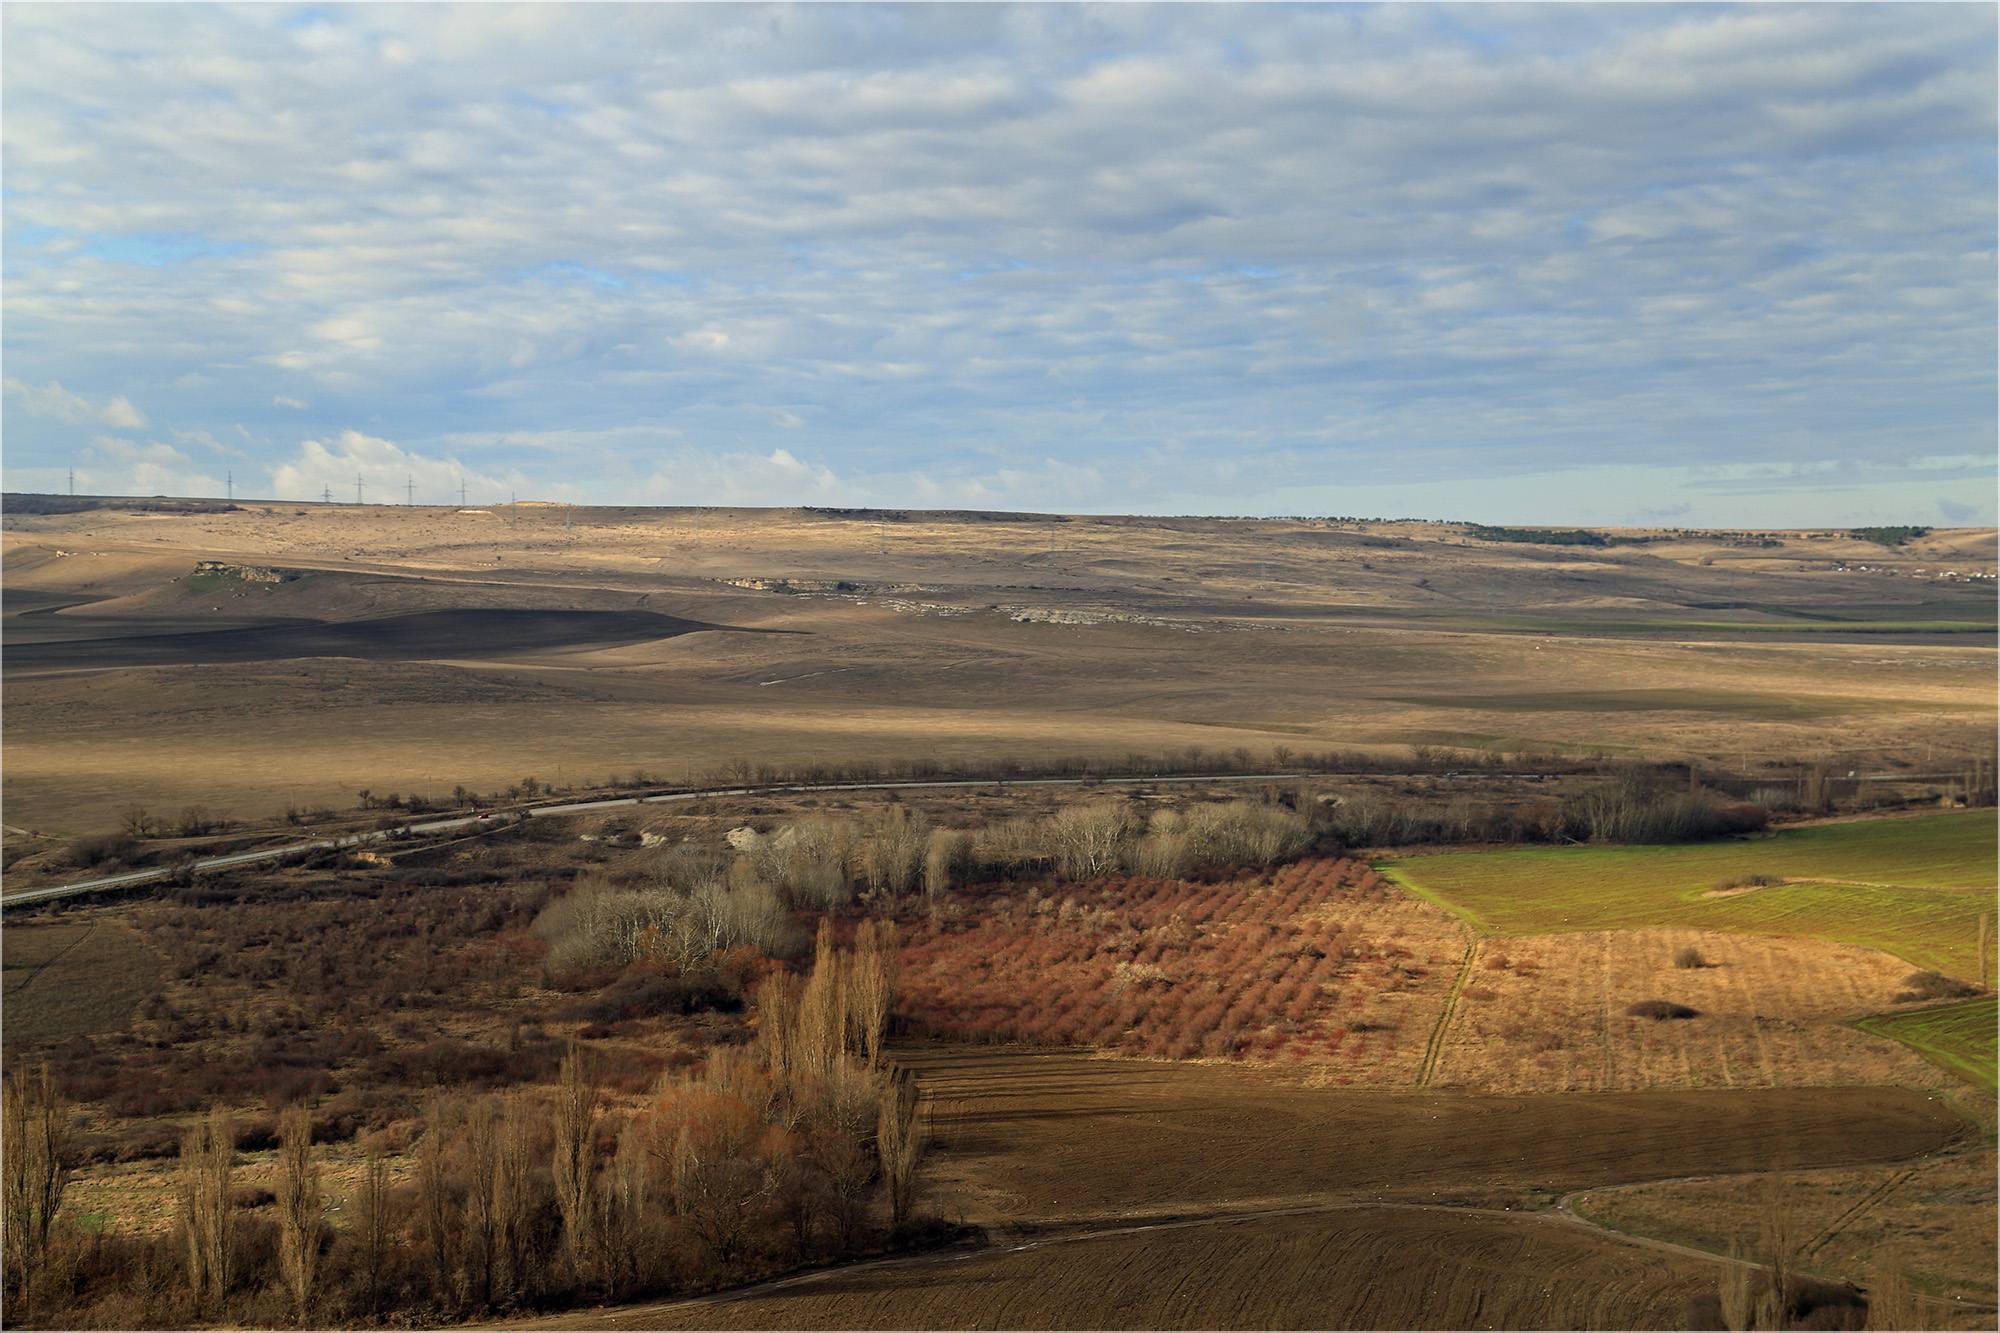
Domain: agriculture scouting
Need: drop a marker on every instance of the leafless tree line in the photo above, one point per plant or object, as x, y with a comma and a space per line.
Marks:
823, 862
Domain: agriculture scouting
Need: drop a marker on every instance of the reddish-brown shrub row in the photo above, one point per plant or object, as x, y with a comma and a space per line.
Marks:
1174, 968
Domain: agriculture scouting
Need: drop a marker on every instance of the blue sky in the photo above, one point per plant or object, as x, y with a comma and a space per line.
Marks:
1699, 265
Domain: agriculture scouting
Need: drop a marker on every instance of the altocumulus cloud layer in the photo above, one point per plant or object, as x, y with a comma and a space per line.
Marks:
1628, 264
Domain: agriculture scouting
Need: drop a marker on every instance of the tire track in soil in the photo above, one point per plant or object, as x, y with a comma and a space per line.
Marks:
1867, 1201
29, 980
1434, 1050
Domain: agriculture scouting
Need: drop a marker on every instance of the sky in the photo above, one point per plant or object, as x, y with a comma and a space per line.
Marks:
1636, 264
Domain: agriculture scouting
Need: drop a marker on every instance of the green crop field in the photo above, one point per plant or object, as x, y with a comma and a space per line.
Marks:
1959, 1037
1924, 884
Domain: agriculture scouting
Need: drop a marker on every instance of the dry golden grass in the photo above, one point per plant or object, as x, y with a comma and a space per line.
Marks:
1934, 1219
1554, 1018
1355, 639
140, 1198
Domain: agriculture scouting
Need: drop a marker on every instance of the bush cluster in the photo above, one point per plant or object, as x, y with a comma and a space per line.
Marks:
1660, 1010
1933, 986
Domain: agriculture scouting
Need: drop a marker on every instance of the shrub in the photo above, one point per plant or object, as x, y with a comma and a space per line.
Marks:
99, 848
1747, 882
1933, 986
1660, 1010
1688, 958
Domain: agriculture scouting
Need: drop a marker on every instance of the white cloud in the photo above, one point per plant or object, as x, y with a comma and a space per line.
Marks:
113, 465
1380, 244
778, 478
57, 403
388, 473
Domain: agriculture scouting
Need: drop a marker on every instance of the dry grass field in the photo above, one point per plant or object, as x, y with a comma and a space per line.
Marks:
1547, 1013
74, 979
927, 636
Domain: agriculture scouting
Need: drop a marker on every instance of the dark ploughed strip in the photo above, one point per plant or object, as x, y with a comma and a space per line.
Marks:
462, 632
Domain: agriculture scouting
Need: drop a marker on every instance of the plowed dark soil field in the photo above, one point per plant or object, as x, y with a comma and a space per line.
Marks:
482, 631
1056, 1134
1149, 1194
1373, 1268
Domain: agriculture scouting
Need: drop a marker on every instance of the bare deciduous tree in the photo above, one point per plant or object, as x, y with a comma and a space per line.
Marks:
778, 1023
34, 1159
872, 985
823, 1010
298, 1208
899, 1143
624, 1206
434, 1195
1739, 1292
482, 1209
374, 1222
208, 1155
575, 1154
947, 859
514, 1197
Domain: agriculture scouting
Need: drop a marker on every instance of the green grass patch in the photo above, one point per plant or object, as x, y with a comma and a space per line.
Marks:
1732, 703
1957, 1037
1943, 867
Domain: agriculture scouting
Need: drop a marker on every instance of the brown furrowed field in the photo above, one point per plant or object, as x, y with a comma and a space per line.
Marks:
1063, 1135
1364, 1268
1117, 1191
1932, 1220
1547, 1013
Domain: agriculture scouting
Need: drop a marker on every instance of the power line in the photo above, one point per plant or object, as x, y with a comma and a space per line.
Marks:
326, 495
409, 489
357, 488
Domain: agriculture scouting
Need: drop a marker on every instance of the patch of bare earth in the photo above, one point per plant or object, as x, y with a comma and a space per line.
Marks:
1547, 1013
